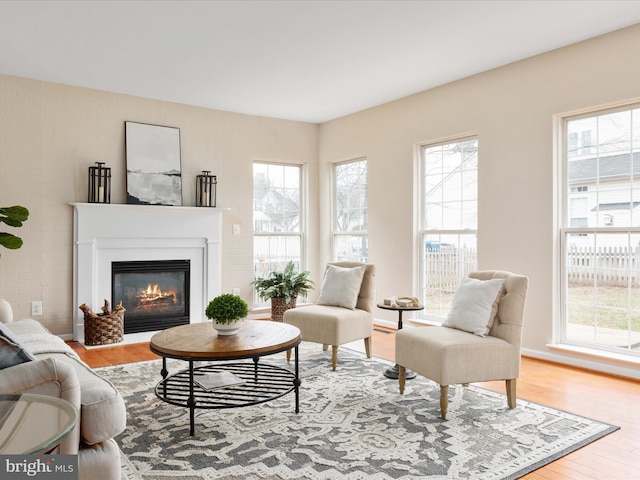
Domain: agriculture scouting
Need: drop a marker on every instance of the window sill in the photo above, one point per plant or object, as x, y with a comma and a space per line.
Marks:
597, 355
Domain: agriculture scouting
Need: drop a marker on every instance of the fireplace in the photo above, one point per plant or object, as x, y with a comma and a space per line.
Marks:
145, 233
154, 293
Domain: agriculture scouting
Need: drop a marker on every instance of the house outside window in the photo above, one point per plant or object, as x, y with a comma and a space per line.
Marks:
449, 221
578, 207
601, 231
278, 214
350, 220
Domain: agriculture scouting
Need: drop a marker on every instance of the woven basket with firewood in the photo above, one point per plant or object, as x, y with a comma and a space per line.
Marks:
103, 328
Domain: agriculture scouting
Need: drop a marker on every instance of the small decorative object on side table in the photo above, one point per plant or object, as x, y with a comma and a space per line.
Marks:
392, 372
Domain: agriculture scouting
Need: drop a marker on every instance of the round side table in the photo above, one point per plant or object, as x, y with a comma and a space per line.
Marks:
392, 372
32, 424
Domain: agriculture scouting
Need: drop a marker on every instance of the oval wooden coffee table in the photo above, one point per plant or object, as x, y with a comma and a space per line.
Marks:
243, 383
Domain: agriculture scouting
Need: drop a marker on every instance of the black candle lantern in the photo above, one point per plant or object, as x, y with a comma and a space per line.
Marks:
99, 184
206, 189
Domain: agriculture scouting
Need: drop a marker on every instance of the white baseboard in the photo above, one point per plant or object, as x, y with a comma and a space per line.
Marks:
591, 360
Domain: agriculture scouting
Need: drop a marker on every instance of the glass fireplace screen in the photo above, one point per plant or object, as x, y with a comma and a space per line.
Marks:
154, 293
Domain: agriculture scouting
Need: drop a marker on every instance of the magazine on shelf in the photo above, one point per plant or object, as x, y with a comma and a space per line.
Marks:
211, 381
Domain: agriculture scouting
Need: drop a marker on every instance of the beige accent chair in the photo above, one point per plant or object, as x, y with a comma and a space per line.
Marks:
331, 325
450, 356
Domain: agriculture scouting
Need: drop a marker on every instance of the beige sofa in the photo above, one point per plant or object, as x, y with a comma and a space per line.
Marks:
58, 371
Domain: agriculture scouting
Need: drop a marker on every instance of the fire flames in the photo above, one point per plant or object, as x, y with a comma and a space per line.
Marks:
153, 296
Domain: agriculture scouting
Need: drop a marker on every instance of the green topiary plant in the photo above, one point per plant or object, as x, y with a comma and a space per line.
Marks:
227, 308
14, 217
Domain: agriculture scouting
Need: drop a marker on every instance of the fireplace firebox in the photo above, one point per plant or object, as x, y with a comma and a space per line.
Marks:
155, 293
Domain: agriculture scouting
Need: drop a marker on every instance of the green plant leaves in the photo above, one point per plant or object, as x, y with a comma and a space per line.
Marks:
12, 216
227, 308
286, 284
10, 241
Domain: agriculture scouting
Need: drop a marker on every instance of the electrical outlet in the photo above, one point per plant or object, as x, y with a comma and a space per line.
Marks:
235, 291
36, 308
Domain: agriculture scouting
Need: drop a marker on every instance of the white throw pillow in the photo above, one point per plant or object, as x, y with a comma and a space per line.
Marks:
474, 306
341, 286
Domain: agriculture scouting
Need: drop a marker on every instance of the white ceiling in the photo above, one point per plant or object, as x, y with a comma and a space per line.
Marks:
310, 61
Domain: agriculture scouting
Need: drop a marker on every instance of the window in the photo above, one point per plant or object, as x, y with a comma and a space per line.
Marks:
449, 219
350, 240
601, 231
277, 218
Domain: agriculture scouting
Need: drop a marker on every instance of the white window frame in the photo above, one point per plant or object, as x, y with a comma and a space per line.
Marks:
424, 232
300, 234
566, 230
337, 234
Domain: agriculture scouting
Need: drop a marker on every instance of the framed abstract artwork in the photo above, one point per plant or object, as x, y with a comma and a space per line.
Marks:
154, 175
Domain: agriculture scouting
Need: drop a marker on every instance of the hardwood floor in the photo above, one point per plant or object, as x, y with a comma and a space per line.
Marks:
601, 397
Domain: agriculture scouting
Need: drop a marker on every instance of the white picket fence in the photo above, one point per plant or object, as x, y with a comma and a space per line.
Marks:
608, 265
446, 265
613, 266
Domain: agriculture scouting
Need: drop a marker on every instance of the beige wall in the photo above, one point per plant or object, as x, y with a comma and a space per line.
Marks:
50, 134
512, 110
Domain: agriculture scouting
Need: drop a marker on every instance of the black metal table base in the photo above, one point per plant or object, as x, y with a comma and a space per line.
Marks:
394, 372
262, 382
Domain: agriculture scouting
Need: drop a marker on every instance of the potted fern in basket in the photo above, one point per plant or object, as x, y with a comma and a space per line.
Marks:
283, 288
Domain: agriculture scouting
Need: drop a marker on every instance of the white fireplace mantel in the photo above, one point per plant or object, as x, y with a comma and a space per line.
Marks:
106, 233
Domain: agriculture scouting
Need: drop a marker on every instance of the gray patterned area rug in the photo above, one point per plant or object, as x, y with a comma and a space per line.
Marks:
352, 424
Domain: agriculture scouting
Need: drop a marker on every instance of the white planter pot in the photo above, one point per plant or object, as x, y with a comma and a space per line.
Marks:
228, 328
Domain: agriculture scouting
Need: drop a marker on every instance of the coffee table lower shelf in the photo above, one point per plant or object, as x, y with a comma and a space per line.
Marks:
263, 382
